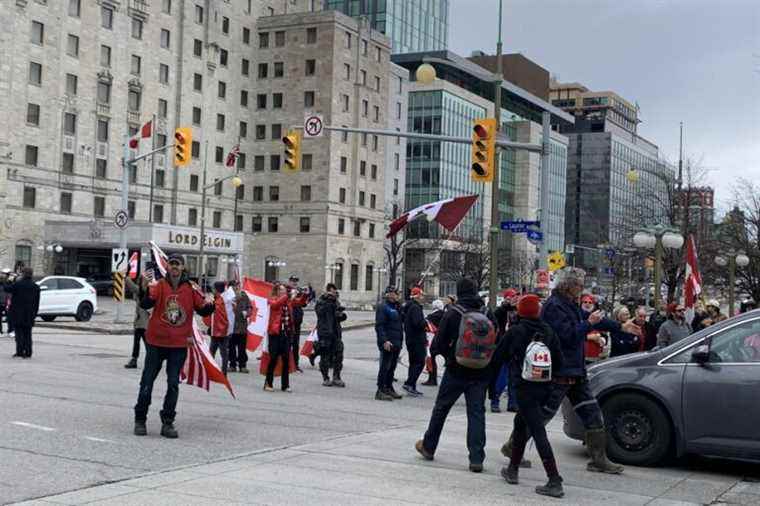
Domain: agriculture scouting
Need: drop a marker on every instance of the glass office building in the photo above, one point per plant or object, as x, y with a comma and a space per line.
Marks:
412, 25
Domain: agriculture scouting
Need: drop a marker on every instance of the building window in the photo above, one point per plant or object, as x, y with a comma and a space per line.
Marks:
377, 84
371, 230
261, 132
192, 217
347, 71
166, 6
395, 187
195, 149
245, 67
304, 224
194, 183
165, 38
274, 162
38, 33
133, 174
198, 14
258, 193
160, 179
35, 73
261, 101
75, 8
246, 35
67, 163
354, 276
241, 161
372, 201
197, 82
104, 93
197, 48
341, 226
362, 168
343, 164
347, 40
377, 113
311, 35
279, 39
105, 56
163, 108
65, 203
339, 275
133, 100
357, 228
272, 224
306, 162
361, 198
196, 115
373, 171
274, 193
276, 132
259, 162
31, 155
33, 114
106, 17
244, 98
136, 64
238, 223
221, 90
344, 99
363, 77
225, 25
305, 193
364, 47
158, 213
219, 158
276, 100
364, 139
396, 161
256, 224
368, 275
131, 209
30, 197
71, 85
163, 73
342, 195
279, 69
223, 57
99, 206
263, 70
263, 40
243, 130
137, 28
220, 120
101, 168
378, 54
365, 108
311, 67
217, 219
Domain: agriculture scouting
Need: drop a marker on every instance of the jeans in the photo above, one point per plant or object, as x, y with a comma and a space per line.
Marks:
154, 359
279, 347
583, 401
417, 355
223, 344
331, 353
449, 392
388, 361
528, 422
238, 353
139, 335
24, 341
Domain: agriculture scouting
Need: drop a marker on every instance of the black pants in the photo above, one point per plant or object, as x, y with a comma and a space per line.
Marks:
295, 345
154, 359
417, 355
433, 373
279, 348
2, 313
331, 353
9, 320
238, 353
222, 344
388, 361
583, 401
449, 392
529, 421
138, 336
24, 341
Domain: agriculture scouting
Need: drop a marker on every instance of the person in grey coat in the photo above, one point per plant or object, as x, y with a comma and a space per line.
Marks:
675, 328
142, 316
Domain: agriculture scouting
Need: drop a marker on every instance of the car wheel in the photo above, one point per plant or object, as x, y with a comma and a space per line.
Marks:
47, 318
84, 312
639, 430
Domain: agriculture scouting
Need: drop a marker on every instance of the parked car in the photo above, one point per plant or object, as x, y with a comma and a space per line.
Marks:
696, 396
66, 296
103, 283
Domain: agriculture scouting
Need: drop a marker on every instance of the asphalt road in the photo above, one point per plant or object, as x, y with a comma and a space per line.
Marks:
66, 423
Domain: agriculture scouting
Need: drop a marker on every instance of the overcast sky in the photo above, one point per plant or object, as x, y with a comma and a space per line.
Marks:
695, 61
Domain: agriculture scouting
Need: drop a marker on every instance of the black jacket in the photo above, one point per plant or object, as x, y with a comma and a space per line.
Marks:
414, 323
512, 348
505, 313
329, 316
445, 339
389, 324
25, 302
436, 316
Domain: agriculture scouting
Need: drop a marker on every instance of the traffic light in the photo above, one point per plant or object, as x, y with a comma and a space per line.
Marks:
483, 150
292, 141
183, 140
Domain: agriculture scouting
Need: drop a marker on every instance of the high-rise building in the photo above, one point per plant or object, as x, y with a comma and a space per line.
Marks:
411, 25
695, 208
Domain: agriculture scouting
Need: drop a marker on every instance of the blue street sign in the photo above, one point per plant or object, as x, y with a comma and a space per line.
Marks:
609, 270
534, 235
610, 253
519, 226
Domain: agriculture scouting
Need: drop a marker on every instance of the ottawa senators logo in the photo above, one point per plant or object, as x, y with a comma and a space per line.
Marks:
174, 315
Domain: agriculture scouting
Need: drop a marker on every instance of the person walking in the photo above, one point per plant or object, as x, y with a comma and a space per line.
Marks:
439, 308
219, 326
173, 300
280, 330
506, 315
330, 314
597, 344
465, 331
239, 339
390, 337
532, 392
24, 308
416, 340
140, 323
4, 298
675, 327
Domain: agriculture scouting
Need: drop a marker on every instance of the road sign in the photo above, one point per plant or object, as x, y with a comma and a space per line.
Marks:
556, 261
119, 260
534, 235
121, 220
610, 252
313, 125
118, 286
570, 249
519, 226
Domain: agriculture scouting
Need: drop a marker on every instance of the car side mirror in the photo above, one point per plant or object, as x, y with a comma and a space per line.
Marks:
701, 354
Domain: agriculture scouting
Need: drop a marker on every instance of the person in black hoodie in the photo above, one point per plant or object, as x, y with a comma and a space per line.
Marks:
25, 304
390, 337
330, 314
416, 339
458, 380
531, 395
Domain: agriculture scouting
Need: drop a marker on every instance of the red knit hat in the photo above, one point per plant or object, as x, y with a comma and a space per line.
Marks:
416, 291
588, 297
671, 308
509, 293
529, 306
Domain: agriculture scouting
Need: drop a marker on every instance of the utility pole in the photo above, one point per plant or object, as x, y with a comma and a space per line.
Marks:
125, 165
201, 257
543, 261
493, 275
152, 167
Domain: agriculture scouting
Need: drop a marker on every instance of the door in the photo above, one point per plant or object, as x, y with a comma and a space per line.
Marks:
721, 408
50, 297
72, 293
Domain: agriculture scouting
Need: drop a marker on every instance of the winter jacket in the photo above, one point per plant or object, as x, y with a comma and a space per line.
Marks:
389, 324
505, 314
25, 302
218, 322
329, 317
624, 343
671, 332
519, 335
242, 310
171, 322
414, 324
275, 315
141, 316
3, 295
435, 317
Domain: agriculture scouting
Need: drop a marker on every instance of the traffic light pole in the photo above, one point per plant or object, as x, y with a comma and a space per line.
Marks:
543, 259
493, 232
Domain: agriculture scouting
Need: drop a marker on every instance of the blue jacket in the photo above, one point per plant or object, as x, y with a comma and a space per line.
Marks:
389, 324
571, 325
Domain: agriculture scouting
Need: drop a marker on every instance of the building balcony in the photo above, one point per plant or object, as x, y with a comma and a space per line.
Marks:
138, 9
103, 109
133, 117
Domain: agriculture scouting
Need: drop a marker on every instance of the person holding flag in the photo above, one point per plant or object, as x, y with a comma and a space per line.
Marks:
173, 299
278, 340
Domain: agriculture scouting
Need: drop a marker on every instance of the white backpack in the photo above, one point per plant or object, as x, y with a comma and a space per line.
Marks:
537, 365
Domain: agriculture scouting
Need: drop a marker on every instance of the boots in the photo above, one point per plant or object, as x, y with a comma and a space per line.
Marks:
168, 430
337, 382
553, 487
140, 429
382, 396
392, 392
326, 381
596, 442
132, 364
506, 450
511, 474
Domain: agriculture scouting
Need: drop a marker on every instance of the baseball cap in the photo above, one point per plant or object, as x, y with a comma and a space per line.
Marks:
417, 291
176, 257
293, 277
509, 293
390, 289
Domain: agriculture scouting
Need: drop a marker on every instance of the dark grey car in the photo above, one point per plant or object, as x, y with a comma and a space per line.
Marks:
700, 395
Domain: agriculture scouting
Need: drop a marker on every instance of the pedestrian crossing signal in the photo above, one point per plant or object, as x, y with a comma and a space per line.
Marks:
183, 140
292, 141
483, 150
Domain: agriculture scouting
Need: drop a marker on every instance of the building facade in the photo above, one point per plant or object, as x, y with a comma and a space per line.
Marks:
411, 25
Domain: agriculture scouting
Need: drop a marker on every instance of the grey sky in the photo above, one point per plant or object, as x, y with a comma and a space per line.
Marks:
695, 61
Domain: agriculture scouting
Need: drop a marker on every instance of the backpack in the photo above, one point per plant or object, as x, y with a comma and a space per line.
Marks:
476, 341
537, 364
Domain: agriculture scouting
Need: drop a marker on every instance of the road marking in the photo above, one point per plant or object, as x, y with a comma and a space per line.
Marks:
33, 426
99, 440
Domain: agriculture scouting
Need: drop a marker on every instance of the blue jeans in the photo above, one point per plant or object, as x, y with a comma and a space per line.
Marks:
154, 359
449, 392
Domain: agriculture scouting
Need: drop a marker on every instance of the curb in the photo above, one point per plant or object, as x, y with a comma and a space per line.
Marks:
128, 332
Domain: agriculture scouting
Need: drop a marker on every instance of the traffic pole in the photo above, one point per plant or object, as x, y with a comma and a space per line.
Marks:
125, 164
493, 261
543, 261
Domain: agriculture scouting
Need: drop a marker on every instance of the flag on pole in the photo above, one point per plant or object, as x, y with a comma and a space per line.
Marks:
145, 132
232, 157
258, 292
692, 279
133, 262
160, 258
448, 212
308, 345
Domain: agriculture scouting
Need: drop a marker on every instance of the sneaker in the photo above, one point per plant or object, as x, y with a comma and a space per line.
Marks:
383, 396
244, 370
510, 475
495, 408
140, 429
232, 368
16, 355
337, 382
420, 447
476, 468
327, 382
393, 393
409, 390
299, 370
268, 388
553, 488
132, 364
168, 431
287, 390
431, 382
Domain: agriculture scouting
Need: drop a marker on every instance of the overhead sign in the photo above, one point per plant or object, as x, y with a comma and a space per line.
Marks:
121, 220
313, 125
570, 249
534, 235
610, 252
119, 260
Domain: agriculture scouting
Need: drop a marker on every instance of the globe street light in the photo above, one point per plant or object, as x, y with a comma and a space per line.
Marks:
733, 259
425, 74
659, 238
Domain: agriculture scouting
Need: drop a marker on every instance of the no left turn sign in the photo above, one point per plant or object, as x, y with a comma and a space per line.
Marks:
312, 125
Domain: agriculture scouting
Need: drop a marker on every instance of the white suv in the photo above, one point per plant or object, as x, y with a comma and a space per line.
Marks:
66, 296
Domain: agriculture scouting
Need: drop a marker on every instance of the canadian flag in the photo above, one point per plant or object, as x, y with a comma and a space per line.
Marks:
145, 132
448, 212
308, 345
133, 261
232, 157
430, 330
692, 279
258, 319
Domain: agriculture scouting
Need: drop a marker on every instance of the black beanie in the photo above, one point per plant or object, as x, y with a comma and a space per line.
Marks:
466, 287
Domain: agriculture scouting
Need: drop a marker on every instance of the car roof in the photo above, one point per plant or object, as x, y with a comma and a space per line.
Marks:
63, 277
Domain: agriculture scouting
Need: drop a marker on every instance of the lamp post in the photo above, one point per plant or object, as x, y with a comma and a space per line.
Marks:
733, 259
332, 268
276, 263
380, 273
659, 238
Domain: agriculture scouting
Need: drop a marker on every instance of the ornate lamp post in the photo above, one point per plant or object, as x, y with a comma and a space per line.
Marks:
733, 259
659, 238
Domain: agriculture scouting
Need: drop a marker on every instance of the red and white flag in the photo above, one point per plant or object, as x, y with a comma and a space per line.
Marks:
264, 364
160, 258
133, 262
430, 331
692, 279
232, 157
145, 132
448, 212
308, 345
258, 319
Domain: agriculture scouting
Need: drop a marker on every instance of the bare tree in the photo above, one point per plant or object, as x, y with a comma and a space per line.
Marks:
395, 246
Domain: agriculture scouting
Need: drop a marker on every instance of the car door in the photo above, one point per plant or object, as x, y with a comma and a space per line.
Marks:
721, 408
72, 293
50, 298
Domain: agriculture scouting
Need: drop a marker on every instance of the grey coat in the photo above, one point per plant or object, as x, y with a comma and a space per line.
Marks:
141, 315
671, 332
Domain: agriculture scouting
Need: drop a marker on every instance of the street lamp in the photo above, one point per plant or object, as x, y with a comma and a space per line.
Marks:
659, 238
332, 268
425, 73
380, 273
733, 259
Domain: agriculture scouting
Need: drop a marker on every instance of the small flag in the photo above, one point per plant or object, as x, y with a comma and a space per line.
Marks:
258, 319
145, 132
448, 212
133, 261
430, 330
232, 157
692, 279
308, 345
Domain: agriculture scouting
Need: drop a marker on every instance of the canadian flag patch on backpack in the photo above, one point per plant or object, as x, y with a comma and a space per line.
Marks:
537, 365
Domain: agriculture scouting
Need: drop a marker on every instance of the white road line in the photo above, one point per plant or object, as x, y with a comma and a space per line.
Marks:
99, 440
33, 426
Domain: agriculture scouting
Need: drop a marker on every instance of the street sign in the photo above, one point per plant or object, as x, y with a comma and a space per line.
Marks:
610, 252
534, 235
570, 249
519, 226
119, 259
556, 261
121, 220
313, 125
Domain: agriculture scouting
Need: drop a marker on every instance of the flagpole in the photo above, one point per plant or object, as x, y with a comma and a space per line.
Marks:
438, 257
152, 165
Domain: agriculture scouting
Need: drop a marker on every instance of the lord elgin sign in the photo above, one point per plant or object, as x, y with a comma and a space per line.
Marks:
178, 238
186, 238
